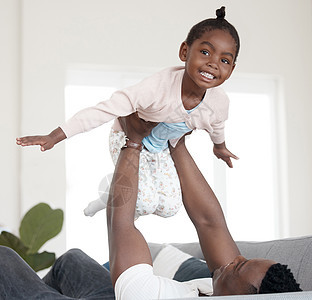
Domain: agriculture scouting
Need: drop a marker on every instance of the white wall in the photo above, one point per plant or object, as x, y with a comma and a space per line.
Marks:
9, 112
54, 35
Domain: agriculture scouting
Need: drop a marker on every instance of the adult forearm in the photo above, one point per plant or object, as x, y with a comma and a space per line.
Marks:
124, 187
127, 246
199, 199
204, 210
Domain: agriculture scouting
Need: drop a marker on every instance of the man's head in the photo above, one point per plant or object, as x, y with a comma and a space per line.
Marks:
279, 279
254, 276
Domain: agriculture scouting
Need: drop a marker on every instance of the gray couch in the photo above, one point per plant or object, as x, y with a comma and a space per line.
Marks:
295, 252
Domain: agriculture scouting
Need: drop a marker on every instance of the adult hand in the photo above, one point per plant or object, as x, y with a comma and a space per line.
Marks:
135, 128
180, 143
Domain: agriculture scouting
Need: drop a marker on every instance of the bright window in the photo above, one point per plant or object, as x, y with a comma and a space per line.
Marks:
248, 192
250, 186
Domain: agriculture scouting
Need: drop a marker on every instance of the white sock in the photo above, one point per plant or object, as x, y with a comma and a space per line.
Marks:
96, 205
101, 202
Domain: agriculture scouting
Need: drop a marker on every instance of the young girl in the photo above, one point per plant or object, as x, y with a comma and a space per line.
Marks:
181, 99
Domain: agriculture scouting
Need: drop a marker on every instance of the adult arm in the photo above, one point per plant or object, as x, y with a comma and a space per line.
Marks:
204, 210
127, 246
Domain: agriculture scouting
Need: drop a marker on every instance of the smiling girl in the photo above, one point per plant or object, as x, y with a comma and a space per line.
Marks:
181, 99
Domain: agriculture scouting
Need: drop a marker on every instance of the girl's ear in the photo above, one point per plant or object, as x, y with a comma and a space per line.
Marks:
183, 51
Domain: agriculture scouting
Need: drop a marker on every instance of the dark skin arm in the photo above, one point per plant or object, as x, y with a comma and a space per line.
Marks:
204, 210
221, 152
127, 246
45, 142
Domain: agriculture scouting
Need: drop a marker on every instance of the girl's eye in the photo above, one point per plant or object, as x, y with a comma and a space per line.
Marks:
205, 52
225, 61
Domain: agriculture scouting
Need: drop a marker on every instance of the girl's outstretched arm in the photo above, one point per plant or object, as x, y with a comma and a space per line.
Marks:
45, 141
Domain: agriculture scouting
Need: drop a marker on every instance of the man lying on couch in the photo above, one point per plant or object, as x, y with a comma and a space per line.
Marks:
75, 275
130, 259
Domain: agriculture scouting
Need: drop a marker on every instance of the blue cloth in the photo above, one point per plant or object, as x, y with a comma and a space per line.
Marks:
106, 265
74, 275
192, 268
157, 140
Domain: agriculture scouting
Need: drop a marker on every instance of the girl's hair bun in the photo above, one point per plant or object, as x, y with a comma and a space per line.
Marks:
220, 13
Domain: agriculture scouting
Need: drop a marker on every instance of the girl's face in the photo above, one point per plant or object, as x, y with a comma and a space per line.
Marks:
209, 61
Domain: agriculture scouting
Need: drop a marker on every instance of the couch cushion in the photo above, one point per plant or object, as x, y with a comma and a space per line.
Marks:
173, 263
294, 252
168, 261
192, 268
192, 249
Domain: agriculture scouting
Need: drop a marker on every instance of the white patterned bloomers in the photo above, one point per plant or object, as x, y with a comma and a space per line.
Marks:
159, 190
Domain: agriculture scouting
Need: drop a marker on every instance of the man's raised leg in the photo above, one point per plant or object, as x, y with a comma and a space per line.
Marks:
77, 275
18, 281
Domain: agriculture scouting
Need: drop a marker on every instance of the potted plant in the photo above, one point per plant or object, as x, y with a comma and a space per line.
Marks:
40, 224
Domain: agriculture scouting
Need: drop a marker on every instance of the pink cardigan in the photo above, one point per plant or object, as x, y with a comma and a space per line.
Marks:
158, 99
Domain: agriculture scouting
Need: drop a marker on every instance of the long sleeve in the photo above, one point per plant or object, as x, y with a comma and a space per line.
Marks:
120, 104
217, 136
220, 115
156, 98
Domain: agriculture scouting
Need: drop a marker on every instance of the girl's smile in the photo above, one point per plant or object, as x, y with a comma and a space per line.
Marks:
207, 75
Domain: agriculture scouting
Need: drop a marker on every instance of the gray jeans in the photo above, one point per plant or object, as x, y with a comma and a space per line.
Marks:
74, 275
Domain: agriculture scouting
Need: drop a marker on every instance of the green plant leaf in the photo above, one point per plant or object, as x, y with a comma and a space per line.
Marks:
40, 224
10, 240
40, 261
37, 261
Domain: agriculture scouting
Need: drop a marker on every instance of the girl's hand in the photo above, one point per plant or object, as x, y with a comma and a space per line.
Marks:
46, 142
221, 152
